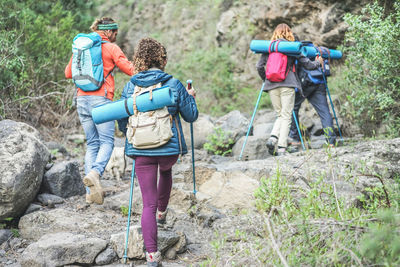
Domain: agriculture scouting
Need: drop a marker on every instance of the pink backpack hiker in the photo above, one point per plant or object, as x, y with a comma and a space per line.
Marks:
276, 69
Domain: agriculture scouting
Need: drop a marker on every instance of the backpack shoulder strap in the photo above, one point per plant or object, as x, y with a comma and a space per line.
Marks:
105, 78
179, 135
140, 90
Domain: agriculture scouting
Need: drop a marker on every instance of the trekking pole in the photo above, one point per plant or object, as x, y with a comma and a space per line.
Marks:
333, 108
189, 85
298, 130
252, 119
129, 213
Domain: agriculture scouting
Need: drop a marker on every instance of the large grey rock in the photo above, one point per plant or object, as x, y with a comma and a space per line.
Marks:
34, 225
5, 234
135, 243
264, 116
32, 208
263, 130
61, 249
255, 148
230, 190
235, 124
23, 158
49, 199
106, 257
166, 239
64, 180
202, 128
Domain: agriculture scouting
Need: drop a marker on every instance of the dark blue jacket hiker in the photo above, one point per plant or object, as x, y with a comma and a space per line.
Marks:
153, 166
185, 106
315, 93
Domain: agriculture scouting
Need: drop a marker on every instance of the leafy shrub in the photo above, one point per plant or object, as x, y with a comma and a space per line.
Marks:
35, 46
381, 244
372, 71
219, 143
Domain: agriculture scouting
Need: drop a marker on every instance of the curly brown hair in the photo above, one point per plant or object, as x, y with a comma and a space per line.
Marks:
283, 31
149, 53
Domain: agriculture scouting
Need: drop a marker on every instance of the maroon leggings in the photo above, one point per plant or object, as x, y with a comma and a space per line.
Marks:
154, 197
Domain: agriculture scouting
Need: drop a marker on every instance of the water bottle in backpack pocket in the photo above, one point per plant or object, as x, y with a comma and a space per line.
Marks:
87, 62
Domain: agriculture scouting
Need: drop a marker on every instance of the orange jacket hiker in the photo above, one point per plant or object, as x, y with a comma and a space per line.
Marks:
112, 56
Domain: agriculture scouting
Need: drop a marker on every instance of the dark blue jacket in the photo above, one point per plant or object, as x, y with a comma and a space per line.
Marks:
185, 105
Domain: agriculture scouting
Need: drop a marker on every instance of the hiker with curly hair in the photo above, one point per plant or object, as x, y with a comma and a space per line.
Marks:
100, 138
282, 93
149, 60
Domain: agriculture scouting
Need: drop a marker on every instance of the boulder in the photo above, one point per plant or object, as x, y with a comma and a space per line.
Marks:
255, 148
49, 199
5, 234
230, 190
106, 257
61, 249
235, 124
64, 180
135, 243
34, 225
202, 128
23, 158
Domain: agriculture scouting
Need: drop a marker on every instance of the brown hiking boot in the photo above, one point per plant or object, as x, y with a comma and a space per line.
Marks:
95, 193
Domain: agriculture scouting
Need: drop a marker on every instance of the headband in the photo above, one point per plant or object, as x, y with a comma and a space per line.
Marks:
111, 26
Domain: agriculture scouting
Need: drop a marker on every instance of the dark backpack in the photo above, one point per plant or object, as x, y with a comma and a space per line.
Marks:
276, 69
312, 77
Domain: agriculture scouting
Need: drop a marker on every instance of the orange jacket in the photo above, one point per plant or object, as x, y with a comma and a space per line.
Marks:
112, 55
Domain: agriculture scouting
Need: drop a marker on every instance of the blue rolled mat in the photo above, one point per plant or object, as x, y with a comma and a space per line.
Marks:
116, 110
285, 47
311, 52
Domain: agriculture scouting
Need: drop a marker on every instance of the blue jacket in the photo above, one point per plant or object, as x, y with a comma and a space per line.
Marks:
185, 105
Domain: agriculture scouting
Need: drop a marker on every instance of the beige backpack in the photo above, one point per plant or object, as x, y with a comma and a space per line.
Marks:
148, 129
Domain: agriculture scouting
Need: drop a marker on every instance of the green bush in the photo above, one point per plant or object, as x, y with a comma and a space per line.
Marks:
35, 46
372, 71
219, 143
380, 245
214, 69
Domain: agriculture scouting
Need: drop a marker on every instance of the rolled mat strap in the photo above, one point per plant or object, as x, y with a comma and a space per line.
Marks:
126, 107
312, 52
285, 47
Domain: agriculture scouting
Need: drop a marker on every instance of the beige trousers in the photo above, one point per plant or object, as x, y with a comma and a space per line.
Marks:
282, 99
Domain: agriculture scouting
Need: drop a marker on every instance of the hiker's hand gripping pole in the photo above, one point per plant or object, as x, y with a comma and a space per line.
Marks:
189, 87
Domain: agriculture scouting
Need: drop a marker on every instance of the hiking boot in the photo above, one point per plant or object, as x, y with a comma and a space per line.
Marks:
161, 216
271, 143
281, 152
153, 259
293, 142
95, 193
293, 149
88, 196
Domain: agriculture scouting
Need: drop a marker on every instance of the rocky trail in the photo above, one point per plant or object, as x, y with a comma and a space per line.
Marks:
60, 229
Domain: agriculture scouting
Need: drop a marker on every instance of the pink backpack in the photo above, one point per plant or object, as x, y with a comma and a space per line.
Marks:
276, 70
